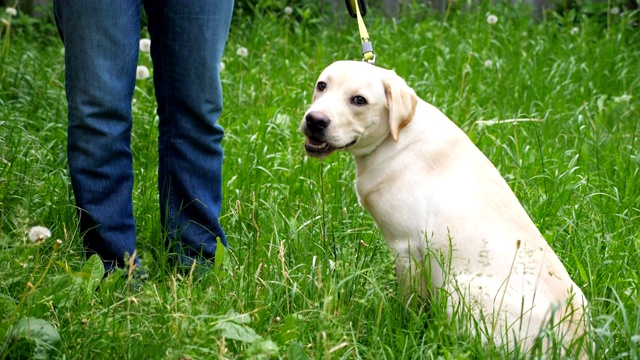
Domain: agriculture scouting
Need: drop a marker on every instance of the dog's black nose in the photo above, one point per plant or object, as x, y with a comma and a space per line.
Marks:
316, 121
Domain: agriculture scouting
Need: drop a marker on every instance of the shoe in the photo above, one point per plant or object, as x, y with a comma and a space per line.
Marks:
187, 266
133, 274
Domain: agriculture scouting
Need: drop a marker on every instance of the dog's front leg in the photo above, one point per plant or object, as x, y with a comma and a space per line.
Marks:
411, 280
412, 271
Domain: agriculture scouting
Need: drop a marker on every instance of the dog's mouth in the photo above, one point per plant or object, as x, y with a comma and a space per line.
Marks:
318, 148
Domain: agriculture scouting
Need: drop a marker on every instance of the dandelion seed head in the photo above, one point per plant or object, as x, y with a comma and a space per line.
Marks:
11, 11
574, 31
332, 264
142, 72
488, 63
222, 66
288, 10
242, 52
615, 10
492, 19
39, 233
622, 98
145, 45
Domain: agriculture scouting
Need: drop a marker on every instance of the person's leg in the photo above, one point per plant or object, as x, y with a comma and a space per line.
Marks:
101, 54
187, 40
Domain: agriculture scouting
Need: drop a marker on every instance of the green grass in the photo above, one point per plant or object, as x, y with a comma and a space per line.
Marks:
307, 274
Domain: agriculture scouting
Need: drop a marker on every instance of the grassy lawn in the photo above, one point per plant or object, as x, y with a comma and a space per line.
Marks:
307, 274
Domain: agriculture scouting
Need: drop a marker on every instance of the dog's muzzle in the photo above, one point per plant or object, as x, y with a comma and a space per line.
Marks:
314, 128
316, 123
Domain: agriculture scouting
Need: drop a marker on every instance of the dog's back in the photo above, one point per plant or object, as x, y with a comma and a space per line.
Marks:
435, 188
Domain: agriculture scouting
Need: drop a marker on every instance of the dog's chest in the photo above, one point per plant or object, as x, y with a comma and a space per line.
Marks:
398, 206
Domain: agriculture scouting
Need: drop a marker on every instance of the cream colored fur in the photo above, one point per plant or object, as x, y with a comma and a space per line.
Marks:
434, 195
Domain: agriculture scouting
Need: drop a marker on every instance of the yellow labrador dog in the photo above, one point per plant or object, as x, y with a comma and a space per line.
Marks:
432, 192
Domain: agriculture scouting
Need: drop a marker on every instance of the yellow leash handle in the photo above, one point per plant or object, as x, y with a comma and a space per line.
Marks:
367, 48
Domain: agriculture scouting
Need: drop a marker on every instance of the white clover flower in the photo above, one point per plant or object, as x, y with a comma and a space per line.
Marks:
574, 31
488, 63
222, 66
242, 52
145, 45
142, 72
615, 10
39, 233
288, 10
492, 19
11, 11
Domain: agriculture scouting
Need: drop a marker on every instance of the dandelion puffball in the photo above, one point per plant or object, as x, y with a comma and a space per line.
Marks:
574, 31
288, 10
492, 19
242, 52
142, 72
11, 11
145, 45
488, 63
39, 233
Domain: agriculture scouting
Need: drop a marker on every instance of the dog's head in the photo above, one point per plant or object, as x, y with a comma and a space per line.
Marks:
355, 107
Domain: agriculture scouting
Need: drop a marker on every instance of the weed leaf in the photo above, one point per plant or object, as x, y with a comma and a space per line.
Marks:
232, 330
219, 257
261, 349
61, 290
289, 330
7, 305
42, 334
296, 352
112, 282
92, 273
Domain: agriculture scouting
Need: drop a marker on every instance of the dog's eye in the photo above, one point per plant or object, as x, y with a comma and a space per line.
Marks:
321, 85
358, 100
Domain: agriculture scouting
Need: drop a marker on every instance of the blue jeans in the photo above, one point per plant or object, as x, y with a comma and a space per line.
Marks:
101, 39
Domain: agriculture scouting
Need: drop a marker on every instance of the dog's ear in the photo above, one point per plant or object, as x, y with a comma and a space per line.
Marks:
401, 101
